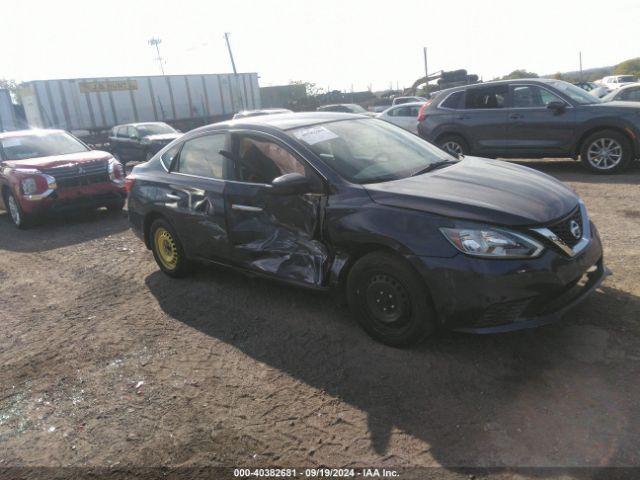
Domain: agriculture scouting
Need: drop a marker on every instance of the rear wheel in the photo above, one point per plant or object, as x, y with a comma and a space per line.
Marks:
389, 300
454, 145
167, 249
16, 215
606, 151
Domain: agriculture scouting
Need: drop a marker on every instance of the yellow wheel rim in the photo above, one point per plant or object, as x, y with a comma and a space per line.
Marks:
166, 248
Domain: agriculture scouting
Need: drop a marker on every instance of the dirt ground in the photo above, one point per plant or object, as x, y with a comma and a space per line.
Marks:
105, 361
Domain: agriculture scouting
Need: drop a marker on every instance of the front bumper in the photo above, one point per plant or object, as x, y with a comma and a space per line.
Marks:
490, 296
89, 196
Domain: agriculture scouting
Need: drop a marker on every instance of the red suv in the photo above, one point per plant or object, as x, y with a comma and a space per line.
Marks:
51, 170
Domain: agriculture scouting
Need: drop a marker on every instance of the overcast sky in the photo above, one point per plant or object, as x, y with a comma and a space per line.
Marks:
334, 43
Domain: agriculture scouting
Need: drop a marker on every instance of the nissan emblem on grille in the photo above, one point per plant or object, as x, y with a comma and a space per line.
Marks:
575, 228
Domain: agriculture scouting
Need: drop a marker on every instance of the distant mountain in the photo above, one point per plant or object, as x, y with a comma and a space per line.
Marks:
588, 74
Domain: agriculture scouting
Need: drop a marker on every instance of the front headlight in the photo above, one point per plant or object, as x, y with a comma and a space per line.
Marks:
29, 186
492, 243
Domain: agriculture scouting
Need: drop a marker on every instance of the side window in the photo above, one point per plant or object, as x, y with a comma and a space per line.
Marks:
453, 101
403, 112
630, 94
260, 160
487, 98
121, 132
200, 156
414, 111
531, 96
168, 156
131, 132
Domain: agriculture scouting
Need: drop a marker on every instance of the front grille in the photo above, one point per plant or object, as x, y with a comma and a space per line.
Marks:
78, 175
501, 313
562, 229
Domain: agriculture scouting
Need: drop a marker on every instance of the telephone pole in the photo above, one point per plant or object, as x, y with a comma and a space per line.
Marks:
154, 42
233, 64
581, 79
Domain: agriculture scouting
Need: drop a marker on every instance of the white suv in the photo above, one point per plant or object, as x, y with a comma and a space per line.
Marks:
617, 81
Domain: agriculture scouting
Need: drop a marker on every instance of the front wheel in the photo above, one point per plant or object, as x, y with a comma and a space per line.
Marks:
19, 218
454, 145
606, 151
390, 300
167, 249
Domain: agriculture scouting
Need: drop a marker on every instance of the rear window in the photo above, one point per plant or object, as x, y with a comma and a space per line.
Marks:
453, 101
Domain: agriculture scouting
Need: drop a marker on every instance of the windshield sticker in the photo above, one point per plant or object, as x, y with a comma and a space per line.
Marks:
11, 142
314, 135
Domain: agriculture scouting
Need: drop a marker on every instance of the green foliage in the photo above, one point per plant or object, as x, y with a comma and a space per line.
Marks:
519, 74
9, 84
628, 67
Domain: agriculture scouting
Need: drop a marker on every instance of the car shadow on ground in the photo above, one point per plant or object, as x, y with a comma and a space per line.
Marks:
60, 230
555, 396
573, 171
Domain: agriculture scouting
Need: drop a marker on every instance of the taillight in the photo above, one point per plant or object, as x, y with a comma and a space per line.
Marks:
421, 113
129, 181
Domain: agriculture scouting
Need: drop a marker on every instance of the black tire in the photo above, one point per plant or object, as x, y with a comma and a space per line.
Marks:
19, 219
618, 152
182, 265
116, 206
454, 145
390, 300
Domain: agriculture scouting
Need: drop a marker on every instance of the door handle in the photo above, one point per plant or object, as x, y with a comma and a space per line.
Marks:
173, 196
516, 116
245, 208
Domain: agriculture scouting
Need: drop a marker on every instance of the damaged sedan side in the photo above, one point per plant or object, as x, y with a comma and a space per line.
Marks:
415, 238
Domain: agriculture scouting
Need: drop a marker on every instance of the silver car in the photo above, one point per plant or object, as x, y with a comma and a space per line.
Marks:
404, 115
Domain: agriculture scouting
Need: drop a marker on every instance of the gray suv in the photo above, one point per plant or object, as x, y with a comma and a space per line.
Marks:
533, 118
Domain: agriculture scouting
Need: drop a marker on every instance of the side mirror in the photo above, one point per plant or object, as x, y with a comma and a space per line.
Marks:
557, 106
291, 184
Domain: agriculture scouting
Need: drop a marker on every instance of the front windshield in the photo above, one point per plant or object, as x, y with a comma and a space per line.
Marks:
154, 129
370, 150
576, 94
38, 144
626, 78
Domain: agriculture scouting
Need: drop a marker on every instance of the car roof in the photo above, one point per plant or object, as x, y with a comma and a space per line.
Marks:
283, 121
32, 131
137, 124
408, 104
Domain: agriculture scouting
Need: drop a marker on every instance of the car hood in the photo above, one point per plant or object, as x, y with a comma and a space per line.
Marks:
59, 160
163, 137
481, 190
616, 104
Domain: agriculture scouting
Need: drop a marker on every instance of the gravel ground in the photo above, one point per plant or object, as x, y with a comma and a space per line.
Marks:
105, 361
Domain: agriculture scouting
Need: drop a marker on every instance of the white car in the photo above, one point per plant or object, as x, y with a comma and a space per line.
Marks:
617, 81
404, 115
628, 93
403, 100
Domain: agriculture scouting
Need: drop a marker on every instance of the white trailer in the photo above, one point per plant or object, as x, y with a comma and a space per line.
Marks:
97, 104
8, 120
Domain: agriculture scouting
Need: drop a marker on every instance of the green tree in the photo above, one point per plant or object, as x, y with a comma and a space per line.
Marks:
628, 67
519, 74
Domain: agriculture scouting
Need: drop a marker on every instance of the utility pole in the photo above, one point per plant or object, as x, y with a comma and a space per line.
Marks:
581, 79
233, 64
154, 42
426, 70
